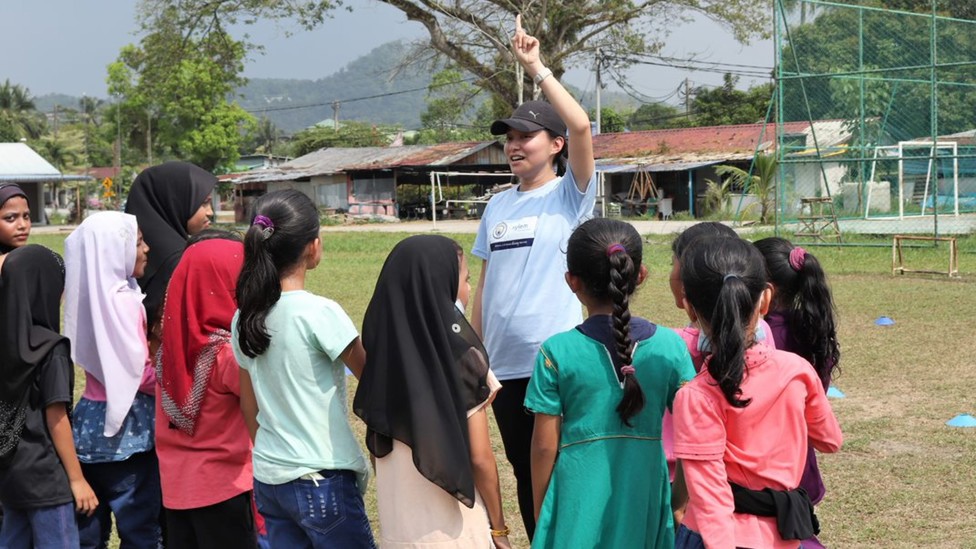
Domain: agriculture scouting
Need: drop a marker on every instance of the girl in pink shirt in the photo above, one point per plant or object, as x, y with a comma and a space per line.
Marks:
802, 320
203, 444
743, 424
698, 346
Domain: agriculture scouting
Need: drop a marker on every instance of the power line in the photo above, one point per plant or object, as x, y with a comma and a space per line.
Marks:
354, 99
702, 62
688, 64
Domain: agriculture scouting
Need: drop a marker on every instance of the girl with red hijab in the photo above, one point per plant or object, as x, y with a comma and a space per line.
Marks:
201, 438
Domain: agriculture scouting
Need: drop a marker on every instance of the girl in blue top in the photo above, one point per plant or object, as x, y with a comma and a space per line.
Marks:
293, 346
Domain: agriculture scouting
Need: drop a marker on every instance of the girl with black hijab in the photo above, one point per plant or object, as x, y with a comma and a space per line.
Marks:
423, 395
41, 483
15, 220
171, 203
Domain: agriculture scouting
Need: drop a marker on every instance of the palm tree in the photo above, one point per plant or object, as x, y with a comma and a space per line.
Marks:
18, 115
761, 182
267, 136
89, 107
717, 196
63, 152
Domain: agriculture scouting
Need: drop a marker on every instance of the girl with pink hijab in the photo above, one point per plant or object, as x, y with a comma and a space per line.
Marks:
113, 422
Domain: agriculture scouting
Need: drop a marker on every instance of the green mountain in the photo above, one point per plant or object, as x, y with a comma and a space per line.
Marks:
369, 89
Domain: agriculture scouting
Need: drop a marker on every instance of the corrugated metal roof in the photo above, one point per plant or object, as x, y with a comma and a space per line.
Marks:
656, 150
337, 160
711, 142
18, 162
612, 165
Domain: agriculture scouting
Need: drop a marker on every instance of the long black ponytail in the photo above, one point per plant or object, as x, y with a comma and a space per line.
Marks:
606, 256
724, 279
282, 224
802, 292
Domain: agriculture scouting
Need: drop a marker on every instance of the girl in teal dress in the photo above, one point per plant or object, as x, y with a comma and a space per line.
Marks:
599, 392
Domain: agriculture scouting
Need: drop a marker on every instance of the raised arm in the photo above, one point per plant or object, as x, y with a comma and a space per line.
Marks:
526, 49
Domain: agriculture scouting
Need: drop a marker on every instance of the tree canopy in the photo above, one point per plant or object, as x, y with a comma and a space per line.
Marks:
173, 89
474, 35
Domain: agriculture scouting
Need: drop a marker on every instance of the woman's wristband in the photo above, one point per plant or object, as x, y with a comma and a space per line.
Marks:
542, 75
500, 533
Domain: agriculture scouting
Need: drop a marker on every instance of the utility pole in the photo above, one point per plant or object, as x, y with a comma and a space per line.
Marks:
335, 115
599, 86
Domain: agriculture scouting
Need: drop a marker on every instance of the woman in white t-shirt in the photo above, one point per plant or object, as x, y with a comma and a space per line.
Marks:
522, 298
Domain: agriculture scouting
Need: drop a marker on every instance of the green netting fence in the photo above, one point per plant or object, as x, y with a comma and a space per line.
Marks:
874, 119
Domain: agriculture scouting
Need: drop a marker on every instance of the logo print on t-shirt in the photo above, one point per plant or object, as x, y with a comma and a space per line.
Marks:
513, 233
500, 229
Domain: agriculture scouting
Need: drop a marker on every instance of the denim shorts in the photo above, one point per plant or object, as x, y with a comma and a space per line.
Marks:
315, 511
44, 528
688, 539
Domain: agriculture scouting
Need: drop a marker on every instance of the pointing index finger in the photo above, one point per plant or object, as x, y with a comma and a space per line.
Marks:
518, 23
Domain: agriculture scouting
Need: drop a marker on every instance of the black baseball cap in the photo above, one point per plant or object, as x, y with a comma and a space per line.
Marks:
531, 116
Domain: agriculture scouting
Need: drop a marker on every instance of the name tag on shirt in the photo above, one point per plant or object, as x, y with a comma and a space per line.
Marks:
513, 233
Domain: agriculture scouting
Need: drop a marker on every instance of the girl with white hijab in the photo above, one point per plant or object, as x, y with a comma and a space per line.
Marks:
114, 421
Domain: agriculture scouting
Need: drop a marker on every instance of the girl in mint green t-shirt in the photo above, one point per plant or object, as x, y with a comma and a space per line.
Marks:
293, 347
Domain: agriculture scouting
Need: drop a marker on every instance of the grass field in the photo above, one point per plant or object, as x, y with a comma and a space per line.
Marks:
903, 478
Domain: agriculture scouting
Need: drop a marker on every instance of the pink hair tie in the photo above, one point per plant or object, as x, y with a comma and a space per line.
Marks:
797, 258
627, 370
616, 249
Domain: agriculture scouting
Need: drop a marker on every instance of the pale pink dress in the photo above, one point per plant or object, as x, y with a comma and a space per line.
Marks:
415, 513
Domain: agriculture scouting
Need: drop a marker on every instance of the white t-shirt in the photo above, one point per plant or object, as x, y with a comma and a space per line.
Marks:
523, 237
300, 386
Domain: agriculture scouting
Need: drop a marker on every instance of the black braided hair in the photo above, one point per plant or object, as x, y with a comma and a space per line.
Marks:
606, 256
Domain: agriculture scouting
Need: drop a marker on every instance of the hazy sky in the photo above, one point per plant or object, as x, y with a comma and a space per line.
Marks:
64, 46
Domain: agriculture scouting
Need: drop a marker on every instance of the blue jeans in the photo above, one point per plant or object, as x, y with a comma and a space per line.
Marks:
130, 490
42, 528
315, 514
688, 539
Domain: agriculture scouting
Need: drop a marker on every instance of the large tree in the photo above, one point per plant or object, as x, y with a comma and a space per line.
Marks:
726, 105
474, 34
174, 90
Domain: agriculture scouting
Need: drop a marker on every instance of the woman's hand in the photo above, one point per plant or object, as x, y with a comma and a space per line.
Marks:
526, 48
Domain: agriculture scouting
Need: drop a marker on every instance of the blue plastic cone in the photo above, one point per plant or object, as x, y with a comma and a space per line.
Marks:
962, 420
884, 321
834, 392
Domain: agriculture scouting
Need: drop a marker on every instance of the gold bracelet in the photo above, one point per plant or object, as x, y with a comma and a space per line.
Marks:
500, 533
